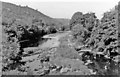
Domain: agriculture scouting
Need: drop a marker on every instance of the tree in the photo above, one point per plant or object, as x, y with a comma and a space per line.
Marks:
80, 34
77, 18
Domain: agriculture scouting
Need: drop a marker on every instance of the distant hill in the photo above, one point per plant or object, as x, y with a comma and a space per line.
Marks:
63, 21
26, 15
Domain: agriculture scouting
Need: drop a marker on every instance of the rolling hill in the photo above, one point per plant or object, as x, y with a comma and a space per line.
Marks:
26, 15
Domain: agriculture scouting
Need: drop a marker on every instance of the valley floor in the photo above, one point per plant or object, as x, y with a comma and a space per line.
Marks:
53, 57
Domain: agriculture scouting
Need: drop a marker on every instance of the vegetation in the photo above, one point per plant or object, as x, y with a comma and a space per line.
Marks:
102, 37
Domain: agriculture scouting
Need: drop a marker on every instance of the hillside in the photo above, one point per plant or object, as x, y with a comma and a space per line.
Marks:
26, 14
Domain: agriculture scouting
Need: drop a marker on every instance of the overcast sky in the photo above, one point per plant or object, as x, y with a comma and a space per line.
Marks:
66, 8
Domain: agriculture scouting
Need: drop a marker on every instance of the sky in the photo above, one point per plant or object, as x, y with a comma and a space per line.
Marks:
66, 8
